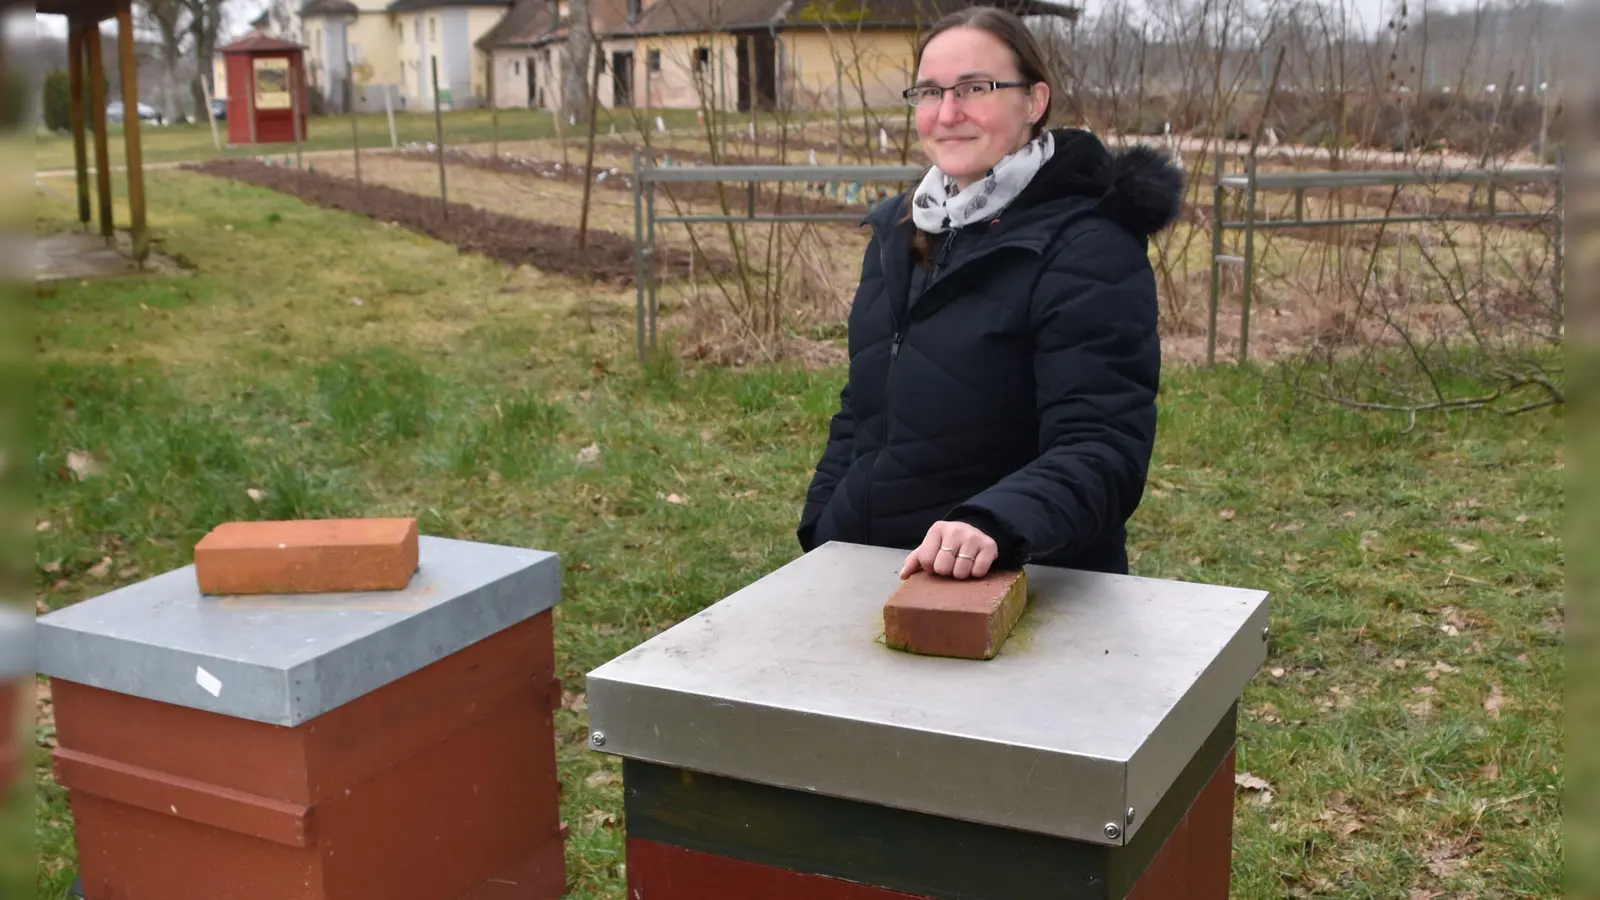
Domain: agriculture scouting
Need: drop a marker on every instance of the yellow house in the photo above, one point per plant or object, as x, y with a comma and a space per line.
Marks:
528, 49
739, 55
443, 35
350, 41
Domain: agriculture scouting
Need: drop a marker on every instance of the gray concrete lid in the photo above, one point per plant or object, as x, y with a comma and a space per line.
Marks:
16, 644
285, 659
1106, 690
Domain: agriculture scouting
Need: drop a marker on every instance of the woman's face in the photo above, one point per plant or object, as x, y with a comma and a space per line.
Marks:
965, 136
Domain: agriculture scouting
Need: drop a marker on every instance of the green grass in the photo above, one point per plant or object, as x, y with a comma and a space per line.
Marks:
189, 142
463, 394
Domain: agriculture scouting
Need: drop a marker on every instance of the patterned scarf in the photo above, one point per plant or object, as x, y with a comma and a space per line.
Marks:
935, 209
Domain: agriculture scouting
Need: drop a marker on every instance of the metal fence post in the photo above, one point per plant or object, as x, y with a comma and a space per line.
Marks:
1216, 259
638, 254
1249, 259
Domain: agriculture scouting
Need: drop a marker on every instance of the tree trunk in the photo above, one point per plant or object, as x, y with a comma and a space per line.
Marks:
575, 70
168, 17
205, 20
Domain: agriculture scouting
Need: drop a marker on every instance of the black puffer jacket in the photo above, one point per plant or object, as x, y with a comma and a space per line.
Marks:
1013, 385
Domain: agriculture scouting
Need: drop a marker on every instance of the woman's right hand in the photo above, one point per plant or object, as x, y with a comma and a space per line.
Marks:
953, 549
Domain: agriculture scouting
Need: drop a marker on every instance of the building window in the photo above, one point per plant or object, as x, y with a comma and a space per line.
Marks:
655, 60
634, 8
702, 59
516, 67
433, 29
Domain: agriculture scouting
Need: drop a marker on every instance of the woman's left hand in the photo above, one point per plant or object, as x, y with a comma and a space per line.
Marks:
955, 549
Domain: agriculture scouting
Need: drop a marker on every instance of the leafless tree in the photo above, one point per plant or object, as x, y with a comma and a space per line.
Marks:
575, 65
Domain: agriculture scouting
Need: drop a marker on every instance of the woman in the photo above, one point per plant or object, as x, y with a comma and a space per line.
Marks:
1000, 408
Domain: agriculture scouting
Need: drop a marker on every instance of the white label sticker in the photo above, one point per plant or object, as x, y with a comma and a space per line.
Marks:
210, 682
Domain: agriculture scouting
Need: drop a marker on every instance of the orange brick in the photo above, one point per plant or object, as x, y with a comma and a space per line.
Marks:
942, 616
307, 556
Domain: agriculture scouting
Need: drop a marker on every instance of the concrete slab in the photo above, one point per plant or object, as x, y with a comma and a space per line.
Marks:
74, 255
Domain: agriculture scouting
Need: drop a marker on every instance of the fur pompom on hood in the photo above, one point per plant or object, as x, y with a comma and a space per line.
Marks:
1140, 186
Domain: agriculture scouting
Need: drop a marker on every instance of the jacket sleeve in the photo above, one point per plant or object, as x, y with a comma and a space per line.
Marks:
836, 456
1097, 361
830, 469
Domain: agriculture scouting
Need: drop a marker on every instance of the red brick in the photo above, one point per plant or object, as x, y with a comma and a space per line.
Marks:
307, 556
942, 616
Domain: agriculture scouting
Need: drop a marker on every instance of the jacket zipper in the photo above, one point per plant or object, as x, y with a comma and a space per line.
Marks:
900, 330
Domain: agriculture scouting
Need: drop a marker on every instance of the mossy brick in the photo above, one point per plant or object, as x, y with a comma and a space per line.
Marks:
969, 618
308, 556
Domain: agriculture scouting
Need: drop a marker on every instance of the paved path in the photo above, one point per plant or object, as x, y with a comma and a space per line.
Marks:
67, 255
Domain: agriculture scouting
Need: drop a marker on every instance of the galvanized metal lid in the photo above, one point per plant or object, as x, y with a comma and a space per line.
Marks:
1105, 691
16, 644
282, 658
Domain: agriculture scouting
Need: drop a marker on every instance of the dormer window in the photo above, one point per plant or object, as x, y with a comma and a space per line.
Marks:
635, 7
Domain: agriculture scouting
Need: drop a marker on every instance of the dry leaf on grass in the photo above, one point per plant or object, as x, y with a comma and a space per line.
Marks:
575, 701
596, 819
1489, 772
101, 569
1440, 668
1465, 546
1227, 515
1491, 703
602, 778
1259, 787
83, 464
1266, 712
1446, 856
589, 454
255, 494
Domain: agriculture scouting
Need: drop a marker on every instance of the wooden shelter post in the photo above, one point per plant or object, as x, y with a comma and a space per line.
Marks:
76, 33
97, 110
130, 129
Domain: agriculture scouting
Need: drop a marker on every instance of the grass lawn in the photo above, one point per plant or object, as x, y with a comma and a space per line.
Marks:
1406, 727
193, 141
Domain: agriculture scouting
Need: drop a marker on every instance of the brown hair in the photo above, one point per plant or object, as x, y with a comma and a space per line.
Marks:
1025, 51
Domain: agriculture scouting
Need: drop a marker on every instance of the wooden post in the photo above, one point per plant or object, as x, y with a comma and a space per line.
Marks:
838, 112
250, 103
588, 165
206, 88
355, 131
388, 107
80, 149
438, 134
494, 113
561, 132
97, 103
295, 105
130, 129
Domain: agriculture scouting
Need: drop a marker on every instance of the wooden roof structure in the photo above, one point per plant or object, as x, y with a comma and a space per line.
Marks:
87, 102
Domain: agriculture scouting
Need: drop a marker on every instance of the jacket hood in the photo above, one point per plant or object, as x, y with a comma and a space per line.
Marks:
1139, 187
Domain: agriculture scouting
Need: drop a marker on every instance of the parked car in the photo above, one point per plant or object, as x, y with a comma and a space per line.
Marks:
147, 113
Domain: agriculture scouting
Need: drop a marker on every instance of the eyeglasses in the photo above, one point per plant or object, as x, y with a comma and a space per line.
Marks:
933, 95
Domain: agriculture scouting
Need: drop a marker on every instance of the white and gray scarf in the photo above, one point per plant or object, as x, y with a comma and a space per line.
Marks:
936, 208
